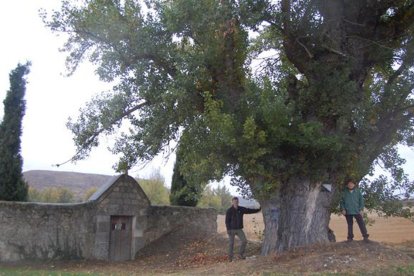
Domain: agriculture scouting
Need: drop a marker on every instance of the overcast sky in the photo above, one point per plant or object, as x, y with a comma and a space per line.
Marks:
52, 97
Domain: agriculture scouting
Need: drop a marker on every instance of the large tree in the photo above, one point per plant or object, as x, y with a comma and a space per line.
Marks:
332, 97
12, 185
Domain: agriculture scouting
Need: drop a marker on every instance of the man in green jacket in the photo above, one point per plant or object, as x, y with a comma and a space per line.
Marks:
352, 206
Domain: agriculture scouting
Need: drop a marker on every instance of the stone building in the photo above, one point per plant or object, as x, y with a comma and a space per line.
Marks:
116, 222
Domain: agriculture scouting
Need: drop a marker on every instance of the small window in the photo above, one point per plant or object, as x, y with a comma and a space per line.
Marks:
118, 226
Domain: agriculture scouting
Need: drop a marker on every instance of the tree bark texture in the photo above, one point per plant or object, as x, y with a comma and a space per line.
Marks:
271, 213
304, 214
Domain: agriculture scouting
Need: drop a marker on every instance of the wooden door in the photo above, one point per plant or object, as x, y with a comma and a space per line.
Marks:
120, 238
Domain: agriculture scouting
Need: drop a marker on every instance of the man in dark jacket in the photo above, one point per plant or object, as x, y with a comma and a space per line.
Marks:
234, 225
352, 206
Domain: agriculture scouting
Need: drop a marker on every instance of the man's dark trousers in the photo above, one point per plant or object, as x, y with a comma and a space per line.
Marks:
361, 224
242, 237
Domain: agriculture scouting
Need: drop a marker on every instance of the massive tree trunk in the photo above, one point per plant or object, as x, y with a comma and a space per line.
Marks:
298, 215
271, 213
304, 214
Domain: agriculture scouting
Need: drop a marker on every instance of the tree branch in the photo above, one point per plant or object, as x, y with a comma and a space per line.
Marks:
286, 15
333, 50
372, 41
304, 47
354, 23
407, 62
90, 140
160, 62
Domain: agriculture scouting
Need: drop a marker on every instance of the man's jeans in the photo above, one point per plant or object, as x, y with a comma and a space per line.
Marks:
361, 224
242, 237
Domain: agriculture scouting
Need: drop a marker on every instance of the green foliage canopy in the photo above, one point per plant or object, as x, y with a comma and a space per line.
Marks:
218, 198
89, 192
335, 100
51, 195
155, 189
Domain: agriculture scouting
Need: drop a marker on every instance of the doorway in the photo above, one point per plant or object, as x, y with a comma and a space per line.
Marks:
120, 238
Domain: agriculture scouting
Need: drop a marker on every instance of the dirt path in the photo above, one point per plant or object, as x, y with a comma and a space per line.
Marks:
207, 257
340, 257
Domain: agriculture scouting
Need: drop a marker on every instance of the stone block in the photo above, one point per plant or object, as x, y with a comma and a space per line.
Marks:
138, 233
102, 237
139, 243
103, 226
101, 251
101, 218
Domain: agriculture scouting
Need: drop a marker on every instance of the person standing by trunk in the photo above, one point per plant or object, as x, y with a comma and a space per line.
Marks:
234, 225
352, 206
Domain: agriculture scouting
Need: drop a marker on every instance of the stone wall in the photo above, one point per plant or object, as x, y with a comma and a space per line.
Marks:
45, 231
39, 231
189, 221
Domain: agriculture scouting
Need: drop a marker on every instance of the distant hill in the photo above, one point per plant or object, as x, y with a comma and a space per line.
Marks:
78, 183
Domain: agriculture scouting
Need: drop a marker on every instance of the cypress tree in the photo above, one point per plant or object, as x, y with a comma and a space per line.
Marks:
183, 193
12, 185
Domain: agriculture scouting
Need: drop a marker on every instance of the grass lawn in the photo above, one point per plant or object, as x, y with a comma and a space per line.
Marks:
399, 270
30, 272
